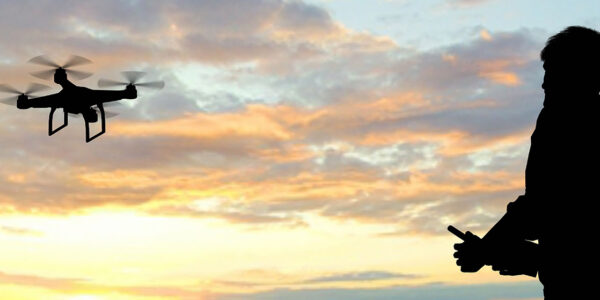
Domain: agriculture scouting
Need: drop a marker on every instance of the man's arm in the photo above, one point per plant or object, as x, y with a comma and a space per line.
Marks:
518, 223
508, 241
515, 258
505, 247
521, 222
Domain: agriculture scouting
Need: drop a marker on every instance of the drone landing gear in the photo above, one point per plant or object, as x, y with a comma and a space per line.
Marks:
65, 122
102, 124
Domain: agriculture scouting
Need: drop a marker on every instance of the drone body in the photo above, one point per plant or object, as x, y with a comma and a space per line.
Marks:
73, 99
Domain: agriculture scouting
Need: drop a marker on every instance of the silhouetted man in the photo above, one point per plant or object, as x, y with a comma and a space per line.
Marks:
561, 201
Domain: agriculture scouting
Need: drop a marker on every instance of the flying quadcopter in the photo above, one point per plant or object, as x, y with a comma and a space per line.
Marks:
75, 99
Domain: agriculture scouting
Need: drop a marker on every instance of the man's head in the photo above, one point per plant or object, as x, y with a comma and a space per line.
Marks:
572, 61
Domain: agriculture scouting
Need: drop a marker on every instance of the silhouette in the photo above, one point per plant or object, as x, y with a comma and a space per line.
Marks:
560, 206
75, 99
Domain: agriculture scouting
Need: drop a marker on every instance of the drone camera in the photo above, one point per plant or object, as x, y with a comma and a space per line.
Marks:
91, 115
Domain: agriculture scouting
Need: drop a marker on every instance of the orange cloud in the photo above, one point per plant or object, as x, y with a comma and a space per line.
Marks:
506, 78
485, 35
20, 231
496, 71
449, 58
251, 123
273, 136
16, 178
121, 178
82, 286
279, 122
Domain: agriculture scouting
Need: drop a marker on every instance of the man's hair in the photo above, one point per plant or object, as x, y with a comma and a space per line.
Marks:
575, 44
574, 55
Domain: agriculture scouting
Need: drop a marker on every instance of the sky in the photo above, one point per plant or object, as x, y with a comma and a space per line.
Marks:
299, 150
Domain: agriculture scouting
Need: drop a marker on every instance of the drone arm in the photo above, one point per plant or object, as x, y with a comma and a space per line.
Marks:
45, 101
104, 96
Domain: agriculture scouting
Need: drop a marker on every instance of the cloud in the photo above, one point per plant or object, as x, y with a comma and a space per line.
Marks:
360, 276
298, 118
270, 279
506, 78
13, 230
60, 284
79, 285
466, 3
420, 292
229, 213
431, 291
254, 123
485, 35
220, 32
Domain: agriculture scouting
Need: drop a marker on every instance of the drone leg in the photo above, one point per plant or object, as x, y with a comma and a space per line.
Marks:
65, 121
87, 130
103, 125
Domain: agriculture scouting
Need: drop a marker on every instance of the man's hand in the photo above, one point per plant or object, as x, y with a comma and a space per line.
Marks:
470, 253
507, 269
516, 258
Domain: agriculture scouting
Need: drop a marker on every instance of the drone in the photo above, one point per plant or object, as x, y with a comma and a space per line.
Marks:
75, 99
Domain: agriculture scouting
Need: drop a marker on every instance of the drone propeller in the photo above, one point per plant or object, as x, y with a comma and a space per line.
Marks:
132, 78
73, 61
31, 89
